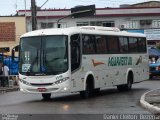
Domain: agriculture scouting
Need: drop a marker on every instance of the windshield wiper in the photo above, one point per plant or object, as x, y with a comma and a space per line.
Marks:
37, 57
44, 57
56, 59
35, 61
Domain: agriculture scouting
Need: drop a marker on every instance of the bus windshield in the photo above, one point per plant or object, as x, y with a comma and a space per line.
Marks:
43, 55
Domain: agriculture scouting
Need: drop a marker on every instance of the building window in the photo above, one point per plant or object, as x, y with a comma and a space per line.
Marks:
50, 25
103, 23
97, 23
82, 23
62, 25
108, 24
43, 25
132, 24
47, 25
156, 24
145, 22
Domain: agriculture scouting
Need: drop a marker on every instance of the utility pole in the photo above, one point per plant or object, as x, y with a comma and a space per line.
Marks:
34, 12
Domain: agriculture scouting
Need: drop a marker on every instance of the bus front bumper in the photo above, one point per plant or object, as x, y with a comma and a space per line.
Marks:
44, 89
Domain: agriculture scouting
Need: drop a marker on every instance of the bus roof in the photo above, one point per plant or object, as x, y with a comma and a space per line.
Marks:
96, 30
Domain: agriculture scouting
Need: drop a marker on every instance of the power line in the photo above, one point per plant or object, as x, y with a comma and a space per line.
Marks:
44, 4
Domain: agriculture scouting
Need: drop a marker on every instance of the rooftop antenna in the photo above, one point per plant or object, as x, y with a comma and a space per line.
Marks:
16, 6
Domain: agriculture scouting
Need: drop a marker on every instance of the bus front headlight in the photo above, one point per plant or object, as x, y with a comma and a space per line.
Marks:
24, 82
61, 80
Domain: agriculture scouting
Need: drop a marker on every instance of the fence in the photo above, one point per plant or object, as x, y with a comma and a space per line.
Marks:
10, 81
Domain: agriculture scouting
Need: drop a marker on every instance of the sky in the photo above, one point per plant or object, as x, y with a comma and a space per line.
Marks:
9, 7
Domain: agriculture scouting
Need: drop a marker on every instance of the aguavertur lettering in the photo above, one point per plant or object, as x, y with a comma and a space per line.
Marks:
119, 61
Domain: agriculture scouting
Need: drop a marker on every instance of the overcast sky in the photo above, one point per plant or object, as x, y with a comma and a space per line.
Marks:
9, 7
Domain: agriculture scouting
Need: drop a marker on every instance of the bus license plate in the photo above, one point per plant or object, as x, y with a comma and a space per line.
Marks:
42, 89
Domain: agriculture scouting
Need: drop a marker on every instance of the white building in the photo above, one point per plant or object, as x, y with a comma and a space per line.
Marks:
144, 19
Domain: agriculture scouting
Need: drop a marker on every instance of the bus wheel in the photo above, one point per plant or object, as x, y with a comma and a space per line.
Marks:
87, 93
46, 96
96, 91
127, 86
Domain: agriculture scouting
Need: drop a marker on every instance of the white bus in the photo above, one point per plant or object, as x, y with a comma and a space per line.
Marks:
81, 59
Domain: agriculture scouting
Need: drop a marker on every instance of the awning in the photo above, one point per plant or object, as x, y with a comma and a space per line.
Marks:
154, 52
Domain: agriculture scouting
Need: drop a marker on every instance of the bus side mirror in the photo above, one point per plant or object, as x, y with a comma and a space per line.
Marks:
15, 49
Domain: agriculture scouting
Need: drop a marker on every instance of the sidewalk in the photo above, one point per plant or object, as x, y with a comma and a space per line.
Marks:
9, 89
151, 101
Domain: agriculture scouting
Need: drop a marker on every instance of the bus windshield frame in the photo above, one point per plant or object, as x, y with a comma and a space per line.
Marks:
43, 55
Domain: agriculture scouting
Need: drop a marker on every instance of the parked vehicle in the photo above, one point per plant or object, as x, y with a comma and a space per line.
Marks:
154, 68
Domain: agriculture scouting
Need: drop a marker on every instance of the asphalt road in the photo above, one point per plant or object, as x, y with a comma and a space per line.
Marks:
109, 101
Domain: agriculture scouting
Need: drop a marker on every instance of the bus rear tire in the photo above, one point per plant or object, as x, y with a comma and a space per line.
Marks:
127, 86
150, 77
46, 96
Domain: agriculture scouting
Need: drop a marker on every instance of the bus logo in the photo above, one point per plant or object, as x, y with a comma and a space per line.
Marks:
119, 61
96, 63
139, 60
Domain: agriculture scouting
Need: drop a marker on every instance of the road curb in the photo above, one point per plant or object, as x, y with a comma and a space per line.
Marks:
3, 90
12, 89
152, 108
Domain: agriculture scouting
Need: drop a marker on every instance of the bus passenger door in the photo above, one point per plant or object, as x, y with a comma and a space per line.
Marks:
75, 62
75, 52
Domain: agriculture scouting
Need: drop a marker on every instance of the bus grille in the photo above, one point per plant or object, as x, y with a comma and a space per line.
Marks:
48, 90
44, 84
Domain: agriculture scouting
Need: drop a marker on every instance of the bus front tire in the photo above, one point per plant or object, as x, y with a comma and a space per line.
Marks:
46, 96
87, 92
96, 91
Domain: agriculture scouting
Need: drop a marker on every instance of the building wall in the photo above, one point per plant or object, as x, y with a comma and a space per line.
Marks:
138, 17
147, 4
119, 16
18, 28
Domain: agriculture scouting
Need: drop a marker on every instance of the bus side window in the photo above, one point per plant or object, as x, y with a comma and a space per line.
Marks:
113, 44
123, 41
133, 45
101, 45
89, 45
75, 52
142, 45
